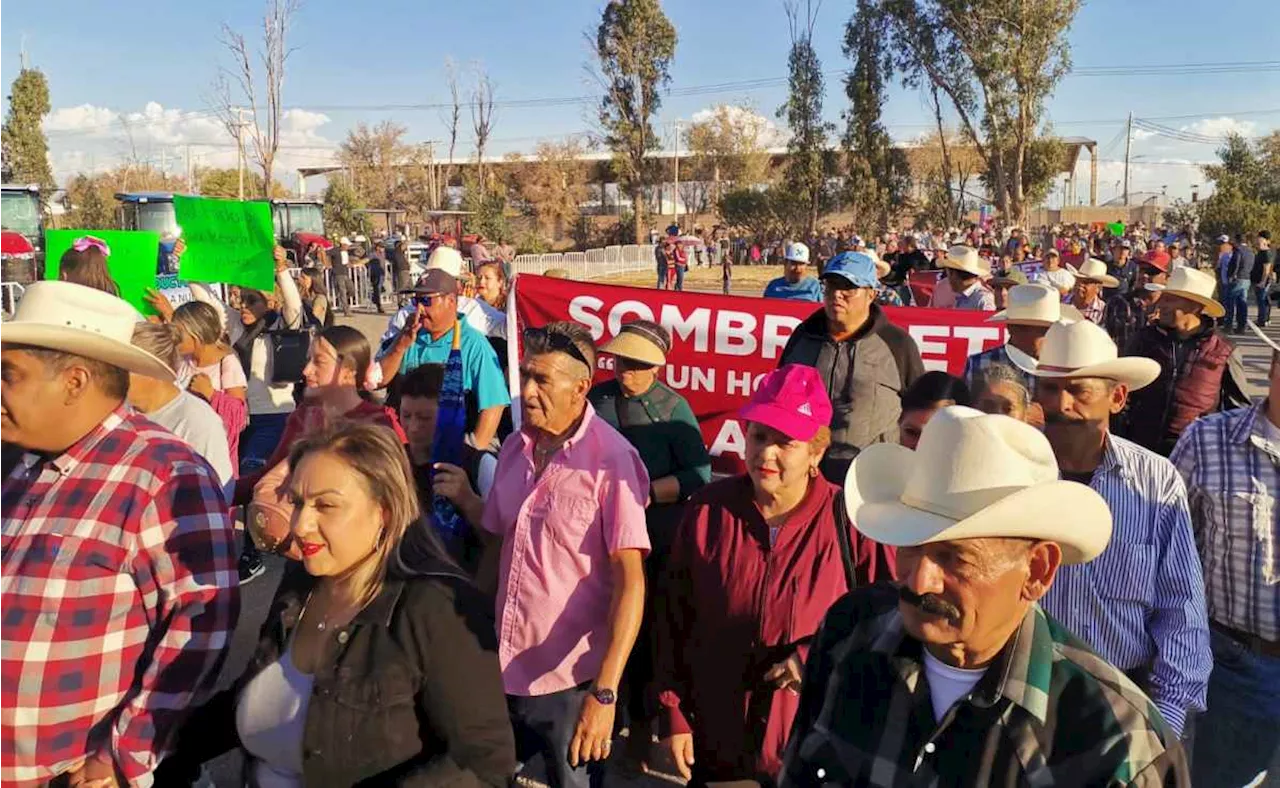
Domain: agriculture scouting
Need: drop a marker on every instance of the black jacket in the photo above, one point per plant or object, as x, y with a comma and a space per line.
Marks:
413, 697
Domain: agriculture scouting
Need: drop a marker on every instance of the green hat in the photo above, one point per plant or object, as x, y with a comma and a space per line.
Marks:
1013, 276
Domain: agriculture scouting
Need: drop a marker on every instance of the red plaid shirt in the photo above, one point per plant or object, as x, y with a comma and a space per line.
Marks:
120, 594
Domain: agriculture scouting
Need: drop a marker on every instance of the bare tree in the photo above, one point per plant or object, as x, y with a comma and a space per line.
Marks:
482, 115
452, 120
254, 76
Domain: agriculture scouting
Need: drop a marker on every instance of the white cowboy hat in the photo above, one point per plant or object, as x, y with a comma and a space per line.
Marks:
966, 259
447, 259
1195, 285
882, 268
83, 321
1035, 305
1094, 270
1084, 350
946, 489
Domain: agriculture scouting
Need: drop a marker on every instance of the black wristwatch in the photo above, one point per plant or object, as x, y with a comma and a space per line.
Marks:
605, 697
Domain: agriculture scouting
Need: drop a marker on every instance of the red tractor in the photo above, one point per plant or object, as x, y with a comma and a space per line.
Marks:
299, 225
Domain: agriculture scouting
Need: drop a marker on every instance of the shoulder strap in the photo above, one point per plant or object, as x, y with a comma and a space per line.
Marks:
844, 540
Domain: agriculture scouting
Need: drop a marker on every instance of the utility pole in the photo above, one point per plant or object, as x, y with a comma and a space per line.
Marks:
1128, 146
240, 147
675, 204
191, 189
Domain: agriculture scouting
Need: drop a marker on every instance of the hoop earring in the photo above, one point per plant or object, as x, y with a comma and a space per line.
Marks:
813, 472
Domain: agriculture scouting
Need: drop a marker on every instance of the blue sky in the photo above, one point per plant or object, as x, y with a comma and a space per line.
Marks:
153, 63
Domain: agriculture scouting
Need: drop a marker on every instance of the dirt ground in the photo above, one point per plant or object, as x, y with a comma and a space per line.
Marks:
747, 279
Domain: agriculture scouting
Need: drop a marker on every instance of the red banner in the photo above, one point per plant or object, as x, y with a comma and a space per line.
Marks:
722, 346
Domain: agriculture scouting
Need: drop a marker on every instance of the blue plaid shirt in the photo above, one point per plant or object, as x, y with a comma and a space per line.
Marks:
1231, 464
1140, 604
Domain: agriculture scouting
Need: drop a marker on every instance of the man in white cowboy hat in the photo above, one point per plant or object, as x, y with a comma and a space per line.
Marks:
793, 285
1198, 371
1086, 296
1141, 604
119, 559
1231, 464
958, 677
1030, 312
965, 272
475, 311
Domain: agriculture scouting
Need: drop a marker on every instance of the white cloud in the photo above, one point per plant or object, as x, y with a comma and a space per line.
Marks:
90, 138
1222, 126
767, 132
1143, 134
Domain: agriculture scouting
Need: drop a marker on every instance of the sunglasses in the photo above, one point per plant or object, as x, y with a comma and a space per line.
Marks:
556, 342
428, 300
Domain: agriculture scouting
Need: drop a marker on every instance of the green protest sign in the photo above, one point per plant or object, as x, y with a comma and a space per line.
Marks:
227, 241
1116, 228
131, 264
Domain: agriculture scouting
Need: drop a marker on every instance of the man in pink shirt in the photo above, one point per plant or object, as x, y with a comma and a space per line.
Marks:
567, 503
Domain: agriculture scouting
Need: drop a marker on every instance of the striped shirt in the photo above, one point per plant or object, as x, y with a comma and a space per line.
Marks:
1140, 604
1231, 464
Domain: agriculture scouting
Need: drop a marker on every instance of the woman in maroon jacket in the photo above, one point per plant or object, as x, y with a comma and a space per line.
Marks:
755, 564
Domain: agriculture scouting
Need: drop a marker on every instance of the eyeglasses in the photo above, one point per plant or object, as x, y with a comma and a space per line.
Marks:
557, 342
428, 300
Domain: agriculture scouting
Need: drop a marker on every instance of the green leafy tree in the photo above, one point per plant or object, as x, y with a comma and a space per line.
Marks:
776, 212
878, 176
488, 205
1246, 195
730, 146
25, 150
633, 47
996, 62
809, 163
342, 208
224, 182
89, 202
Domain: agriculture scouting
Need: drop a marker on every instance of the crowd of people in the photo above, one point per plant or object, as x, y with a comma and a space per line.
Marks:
1057, 568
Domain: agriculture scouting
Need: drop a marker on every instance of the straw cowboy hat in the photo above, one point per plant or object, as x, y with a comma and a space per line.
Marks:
966, 259
1084, 350
83, 321
642, 341
1035, 305
1194, 285
946, 490
1094, 270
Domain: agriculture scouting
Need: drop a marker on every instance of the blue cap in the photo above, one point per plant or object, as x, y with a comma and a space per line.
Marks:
855, 267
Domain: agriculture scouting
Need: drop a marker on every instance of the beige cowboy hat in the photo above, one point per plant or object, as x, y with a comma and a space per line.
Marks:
966, 259
1094, 270
1035, 305
83, 321
1084, 350
640, 341
1194, 285
447, 259
945, 489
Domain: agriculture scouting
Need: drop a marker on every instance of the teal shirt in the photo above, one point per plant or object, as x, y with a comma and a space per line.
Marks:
481, 372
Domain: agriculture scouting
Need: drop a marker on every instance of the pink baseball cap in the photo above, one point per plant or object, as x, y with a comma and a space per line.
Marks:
792, 400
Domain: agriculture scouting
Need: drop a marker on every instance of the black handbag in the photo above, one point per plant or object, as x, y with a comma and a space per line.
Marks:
288, 348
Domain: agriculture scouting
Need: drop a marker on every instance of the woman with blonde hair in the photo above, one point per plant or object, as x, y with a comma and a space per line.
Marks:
377, 664
212, 370
173, 408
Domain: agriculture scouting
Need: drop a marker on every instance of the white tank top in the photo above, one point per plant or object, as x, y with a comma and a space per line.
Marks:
271, 716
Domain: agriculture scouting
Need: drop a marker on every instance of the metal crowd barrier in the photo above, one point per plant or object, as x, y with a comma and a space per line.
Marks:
10, 295
591, 264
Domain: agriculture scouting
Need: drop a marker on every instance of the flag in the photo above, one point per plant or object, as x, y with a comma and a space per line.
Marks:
451, 429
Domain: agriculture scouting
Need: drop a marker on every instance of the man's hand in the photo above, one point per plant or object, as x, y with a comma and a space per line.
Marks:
787, 674
97, 771
409, 334
450, 481
201, 386
593, 737
679, 748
